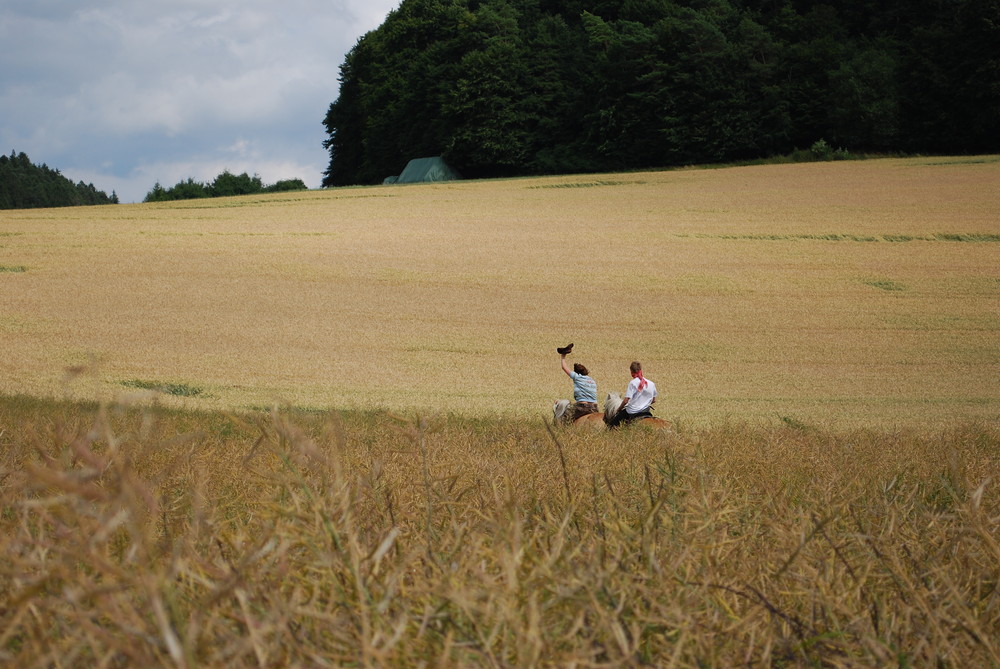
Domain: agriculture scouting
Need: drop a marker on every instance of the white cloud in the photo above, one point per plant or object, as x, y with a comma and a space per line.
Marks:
121, 93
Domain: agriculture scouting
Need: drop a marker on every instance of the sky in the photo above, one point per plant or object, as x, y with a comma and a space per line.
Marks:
125, 94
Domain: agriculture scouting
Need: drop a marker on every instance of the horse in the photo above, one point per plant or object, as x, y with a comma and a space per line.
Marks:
598, 421
614, 401
593, 420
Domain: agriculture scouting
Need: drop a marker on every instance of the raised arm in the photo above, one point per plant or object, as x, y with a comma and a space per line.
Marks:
564, 365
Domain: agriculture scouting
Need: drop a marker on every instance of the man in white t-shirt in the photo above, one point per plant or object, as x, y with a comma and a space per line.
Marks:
639, 398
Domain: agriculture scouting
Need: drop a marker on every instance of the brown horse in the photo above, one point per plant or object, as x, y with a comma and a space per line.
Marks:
598, 420
592, 420
614, 401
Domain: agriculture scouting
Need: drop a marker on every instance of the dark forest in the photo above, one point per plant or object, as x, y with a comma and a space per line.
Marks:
24, 185
521, 87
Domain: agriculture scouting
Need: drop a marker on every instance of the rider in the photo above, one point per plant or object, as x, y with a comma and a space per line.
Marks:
584, 388
639, 398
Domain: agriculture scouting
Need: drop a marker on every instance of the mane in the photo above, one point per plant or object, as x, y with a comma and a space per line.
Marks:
611, 405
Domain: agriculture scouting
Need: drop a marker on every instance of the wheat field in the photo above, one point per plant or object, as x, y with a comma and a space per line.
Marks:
846, 293
306, 430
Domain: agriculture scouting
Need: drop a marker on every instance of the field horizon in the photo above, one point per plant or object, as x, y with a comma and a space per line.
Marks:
842, 294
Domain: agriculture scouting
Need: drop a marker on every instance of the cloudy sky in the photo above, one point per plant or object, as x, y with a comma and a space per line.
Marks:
127, 93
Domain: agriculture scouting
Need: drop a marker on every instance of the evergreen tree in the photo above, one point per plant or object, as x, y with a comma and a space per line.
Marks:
24, 185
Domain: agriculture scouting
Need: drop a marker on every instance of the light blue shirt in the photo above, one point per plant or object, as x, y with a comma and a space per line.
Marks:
584, 388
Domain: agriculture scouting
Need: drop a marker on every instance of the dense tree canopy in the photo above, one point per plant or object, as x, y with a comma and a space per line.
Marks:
24, 185
224, 185
504, 87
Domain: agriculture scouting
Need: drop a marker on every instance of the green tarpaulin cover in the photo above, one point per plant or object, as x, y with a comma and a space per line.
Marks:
425, 169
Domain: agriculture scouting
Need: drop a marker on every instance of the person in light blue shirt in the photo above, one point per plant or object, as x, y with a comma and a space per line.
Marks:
584, 389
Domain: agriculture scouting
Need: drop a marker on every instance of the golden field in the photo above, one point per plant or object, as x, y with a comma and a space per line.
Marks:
825, 335
844, 293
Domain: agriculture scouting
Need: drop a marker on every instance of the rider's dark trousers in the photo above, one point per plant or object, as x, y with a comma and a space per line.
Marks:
624, 416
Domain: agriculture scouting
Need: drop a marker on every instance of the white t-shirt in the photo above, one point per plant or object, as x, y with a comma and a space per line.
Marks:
639, 400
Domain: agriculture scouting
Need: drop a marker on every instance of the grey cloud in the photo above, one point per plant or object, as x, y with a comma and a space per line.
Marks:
119, 90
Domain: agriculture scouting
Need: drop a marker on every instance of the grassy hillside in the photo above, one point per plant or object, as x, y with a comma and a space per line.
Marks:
836, 294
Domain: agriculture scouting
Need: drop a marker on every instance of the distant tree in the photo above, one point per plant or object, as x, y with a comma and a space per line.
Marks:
156, 194
951, 96
865, 84
485, 107
225, 184
228, 184
396, 81
24, 185
183, 190
286, 185
189, 190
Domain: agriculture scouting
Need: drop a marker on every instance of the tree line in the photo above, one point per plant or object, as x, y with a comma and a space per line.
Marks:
24, 185
224, 185
509, 87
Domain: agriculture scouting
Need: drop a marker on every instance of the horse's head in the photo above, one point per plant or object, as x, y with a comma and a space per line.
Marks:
611, 405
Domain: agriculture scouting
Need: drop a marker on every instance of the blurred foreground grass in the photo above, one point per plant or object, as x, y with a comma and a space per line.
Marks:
153, 537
